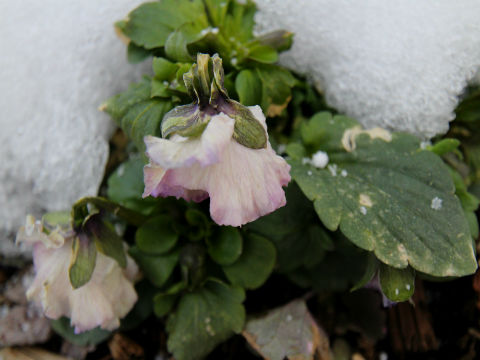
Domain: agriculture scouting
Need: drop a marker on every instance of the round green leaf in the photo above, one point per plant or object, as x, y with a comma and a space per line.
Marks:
225, 247
156, 236
248, 87
255, 264
156, 268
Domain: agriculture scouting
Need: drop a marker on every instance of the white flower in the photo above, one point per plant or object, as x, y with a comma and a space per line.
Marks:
242, 183
107, 297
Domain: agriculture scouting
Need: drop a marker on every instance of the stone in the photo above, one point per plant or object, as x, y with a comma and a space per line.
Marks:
400, 65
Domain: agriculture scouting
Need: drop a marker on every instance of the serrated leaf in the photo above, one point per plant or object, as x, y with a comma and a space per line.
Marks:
288, 332
397, 284
248, 87
84, 258
204, 318
150, 24
92, 337
263, 54
156, 236
226, 246
390, 198
136, 113
255, 264
157, 268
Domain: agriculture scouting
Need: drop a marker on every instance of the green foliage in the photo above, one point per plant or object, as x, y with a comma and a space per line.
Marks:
92, 337
255, 264
157, 268
204, 318
397, 284
388, 197
294, 230
156, 236
226, 246
175, 31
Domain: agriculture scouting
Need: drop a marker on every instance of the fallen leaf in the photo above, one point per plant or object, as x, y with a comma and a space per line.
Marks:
288, 332
123, 348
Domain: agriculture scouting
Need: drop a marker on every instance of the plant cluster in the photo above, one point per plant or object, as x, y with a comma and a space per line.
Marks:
362, 207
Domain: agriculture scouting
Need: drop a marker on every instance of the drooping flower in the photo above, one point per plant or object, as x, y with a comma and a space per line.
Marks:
221, 151
102, 301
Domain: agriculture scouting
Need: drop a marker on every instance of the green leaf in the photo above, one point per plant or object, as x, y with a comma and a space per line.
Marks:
369, 273
217, 10
136, 113
280, 40
84, 257
163, 304
176, 46
57, 218
469, 109
156, 236
288, 332
294, 232
226, 246
205, 318
263, 54
340, 269
397, 284
249, 88
160, 89
164, 69
444, 146
255, 264
150, 24
88, 338
125, 186
106, 239
136, 54
156, 268
390, 198
277, 83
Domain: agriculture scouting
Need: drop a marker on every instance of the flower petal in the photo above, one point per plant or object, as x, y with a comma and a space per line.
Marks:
180, 152
106, 298
245, 185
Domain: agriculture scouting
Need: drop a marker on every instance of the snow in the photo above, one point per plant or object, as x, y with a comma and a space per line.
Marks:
60, 62
400, 65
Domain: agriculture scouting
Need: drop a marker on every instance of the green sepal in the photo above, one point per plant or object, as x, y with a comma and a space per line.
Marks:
181, 119
82, 264
248, 131
397, 284
106, 239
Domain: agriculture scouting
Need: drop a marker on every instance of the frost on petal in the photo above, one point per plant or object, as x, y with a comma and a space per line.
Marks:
180, 152
106, 298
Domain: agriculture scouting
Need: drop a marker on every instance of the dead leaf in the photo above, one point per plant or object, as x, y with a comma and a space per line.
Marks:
288, 332
276, 109
28, 353
123, 348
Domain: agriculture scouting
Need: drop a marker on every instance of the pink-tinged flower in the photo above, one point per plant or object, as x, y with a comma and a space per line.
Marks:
242, 183
108, 296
